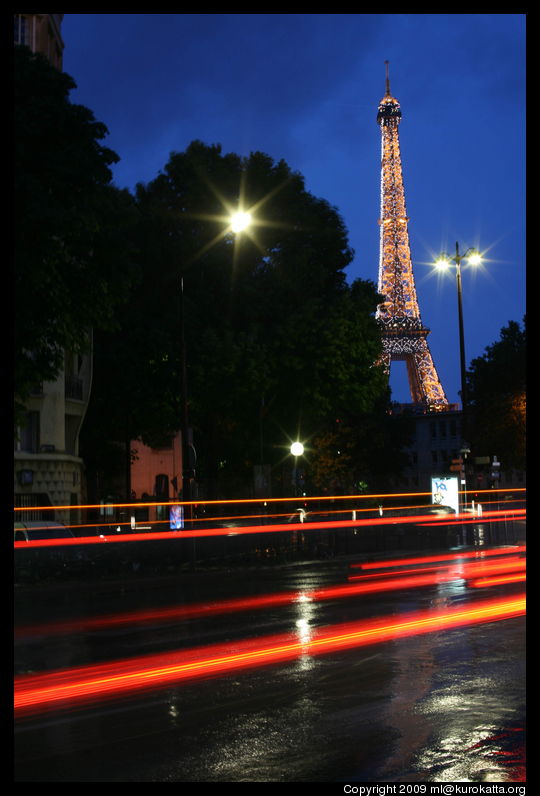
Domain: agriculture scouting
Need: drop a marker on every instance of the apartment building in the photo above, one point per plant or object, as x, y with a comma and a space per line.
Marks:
42, 34
47, 468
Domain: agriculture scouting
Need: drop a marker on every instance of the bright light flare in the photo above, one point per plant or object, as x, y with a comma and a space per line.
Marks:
241, 221
475, 258
442, 263
65, 688
297, 449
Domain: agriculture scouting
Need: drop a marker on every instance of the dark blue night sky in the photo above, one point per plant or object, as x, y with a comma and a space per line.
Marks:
305, 88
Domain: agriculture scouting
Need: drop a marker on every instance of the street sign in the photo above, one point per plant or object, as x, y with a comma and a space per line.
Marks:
444, 492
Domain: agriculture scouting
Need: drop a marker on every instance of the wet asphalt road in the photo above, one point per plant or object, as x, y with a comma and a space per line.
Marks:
446, 706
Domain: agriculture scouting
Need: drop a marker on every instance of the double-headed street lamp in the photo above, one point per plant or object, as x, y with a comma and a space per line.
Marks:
474, 258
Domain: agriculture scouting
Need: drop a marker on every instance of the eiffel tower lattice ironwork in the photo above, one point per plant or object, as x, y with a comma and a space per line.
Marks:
403, 333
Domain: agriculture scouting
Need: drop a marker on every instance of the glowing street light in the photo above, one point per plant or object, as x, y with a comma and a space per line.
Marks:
297, 449
240, 221
445, 261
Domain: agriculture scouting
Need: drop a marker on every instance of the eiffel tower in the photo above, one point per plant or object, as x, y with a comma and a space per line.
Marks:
403, 333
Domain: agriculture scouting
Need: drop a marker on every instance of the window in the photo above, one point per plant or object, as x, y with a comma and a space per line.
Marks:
20, 35
26, 501
29, 434
71, 430
161, 487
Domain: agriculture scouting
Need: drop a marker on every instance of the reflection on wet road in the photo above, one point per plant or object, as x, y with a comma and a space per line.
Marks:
417, 677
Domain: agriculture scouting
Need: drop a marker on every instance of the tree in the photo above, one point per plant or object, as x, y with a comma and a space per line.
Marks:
496, 385
73, 250
277, 341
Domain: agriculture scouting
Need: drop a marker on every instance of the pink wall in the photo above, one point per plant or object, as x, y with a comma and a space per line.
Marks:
152, 462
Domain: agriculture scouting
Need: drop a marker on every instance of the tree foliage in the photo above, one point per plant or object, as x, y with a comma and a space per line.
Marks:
496, 384
278, 344
73, 250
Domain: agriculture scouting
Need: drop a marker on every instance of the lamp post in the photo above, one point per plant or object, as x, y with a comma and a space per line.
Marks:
297, 449
444, 261
184, 420
239, 222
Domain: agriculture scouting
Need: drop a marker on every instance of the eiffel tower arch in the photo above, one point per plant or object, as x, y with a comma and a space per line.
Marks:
404, 336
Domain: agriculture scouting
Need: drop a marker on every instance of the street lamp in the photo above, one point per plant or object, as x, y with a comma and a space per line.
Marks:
445, 261
296, 449
239, 222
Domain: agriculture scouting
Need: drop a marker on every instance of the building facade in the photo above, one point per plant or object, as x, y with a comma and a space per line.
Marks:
436, 450
47, 468
42, 34
156, 472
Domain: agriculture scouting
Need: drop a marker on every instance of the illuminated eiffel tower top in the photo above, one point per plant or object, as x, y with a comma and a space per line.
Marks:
404, 335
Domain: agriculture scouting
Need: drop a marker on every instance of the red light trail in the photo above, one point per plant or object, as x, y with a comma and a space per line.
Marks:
480, 583
363, 584
233, 501
265, 515
257, 501
35, 693
477, 554
255, 529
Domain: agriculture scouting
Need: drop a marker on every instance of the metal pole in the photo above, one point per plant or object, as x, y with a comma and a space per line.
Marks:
461, 341
186, 481
464, 414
